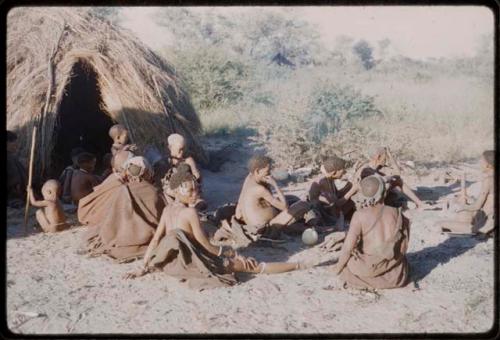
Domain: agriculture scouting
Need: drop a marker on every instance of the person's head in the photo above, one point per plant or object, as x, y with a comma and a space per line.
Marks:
488, 160
86, 161
259, 166
51, 190
138, 169
372, 189
378, 156
106, 161
75, 152
119, 134
184, 185
11, 141
333, 167
176, 145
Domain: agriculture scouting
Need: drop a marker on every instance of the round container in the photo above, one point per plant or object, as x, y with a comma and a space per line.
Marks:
310, 236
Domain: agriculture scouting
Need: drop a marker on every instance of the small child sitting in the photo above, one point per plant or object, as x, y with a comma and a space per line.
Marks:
51, 218
177, 149
67, 175
106, 163
83, 180
119, 134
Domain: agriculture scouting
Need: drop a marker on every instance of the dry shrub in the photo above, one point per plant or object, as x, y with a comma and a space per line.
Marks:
304, 126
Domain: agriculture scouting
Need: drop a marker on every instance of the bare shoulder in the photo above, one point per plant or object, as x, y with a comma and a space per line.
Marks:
190, 161
390, 211
52, 204
260, 189
489, 181
189, 212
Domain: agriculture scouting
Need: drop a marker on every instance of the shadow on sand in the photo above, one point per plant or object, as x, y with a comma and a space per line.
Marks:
424, 261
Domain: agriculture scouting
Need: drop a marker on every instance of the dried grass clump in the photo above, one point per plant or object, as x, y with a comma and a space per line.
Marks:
43, 44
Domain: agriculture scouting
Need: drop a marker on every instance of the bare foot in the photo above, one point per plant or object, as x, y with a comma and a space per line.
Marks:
134, 274
425, 206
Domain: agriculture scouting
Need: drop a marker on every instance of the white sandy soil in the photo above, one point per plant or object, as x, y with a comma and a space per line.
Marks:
51, 289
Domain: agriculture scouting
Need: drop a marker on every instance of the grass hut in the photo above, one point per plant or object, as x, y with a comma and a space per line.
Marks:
74, 75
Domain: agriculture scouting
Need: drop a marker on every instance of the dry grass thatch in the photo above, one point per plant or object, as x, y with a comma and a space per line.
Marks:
43, 44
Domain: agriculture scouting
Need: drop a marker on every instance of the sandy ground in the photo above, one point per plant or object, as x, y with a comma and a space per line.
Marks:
51, 289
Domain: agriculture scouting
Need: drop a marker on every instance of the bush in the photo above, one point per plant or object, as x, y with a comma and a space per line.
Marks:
304, 126
213, 79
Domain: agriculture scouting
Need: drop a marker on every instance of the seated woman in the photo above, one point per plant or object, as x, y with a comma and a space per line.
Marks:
374, 251
123, 211
181, 248
478, 217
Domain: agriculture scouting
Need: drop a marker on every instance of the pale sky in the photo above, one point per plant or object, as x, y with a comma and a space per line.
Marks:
415, 31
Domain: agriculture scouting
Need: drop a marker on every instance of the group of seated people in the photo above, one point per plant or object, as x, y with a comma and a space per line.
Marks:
129, 218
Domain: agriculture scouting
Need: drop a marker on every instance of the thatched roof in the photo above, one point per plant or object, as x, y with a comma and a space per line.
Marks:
132, 79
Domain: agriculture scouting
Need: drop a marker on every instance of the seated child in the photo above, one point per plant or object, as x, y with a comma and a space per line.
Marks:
328, 201
119, 134
67, 175
478, 217
177, 156
51, 218
108, 169
83, 180
181, 249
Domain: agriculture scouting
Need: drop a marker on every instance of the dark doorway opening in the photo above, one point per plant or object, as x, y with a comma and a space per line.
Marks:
81, 121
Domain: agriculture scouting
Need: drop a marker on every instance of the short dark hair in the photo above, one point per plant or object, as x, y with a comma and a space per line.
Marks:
183, 174
76, 151
11, 136
258, 162
334, 163
369, 186
489, 156
85, 157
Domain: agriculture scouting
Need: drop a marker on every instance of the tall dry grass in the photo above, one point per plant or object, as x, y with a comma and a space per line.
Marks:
425, 111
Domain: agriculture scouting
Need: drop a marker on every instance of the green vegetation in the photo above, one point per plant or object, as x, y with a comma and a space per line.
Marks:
340, 100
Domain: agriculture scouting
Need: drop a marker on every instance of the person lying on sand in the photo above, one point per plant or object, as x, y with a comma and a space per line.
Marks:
51, 218
177, 156
119, 134
181, 249
392, 176
328, 202
122, 212
374, 251
16, 174
67, 174
83, 180
478, 217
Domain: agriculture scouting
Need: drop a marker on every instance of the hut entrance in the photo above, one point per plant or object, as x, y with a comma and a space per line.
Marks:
81, 121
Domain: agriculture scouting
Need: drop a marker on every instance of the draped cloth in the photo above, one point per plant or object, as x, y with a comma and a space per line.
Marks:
122, 217
385, 267
180, 256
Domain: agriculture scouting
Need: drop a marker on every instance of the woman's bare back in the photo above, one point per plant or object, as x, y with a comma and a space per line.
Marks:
378, 227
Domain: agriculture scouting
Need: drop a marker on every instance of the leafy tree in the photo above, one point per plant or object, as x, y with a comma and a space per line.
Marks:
365, 53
